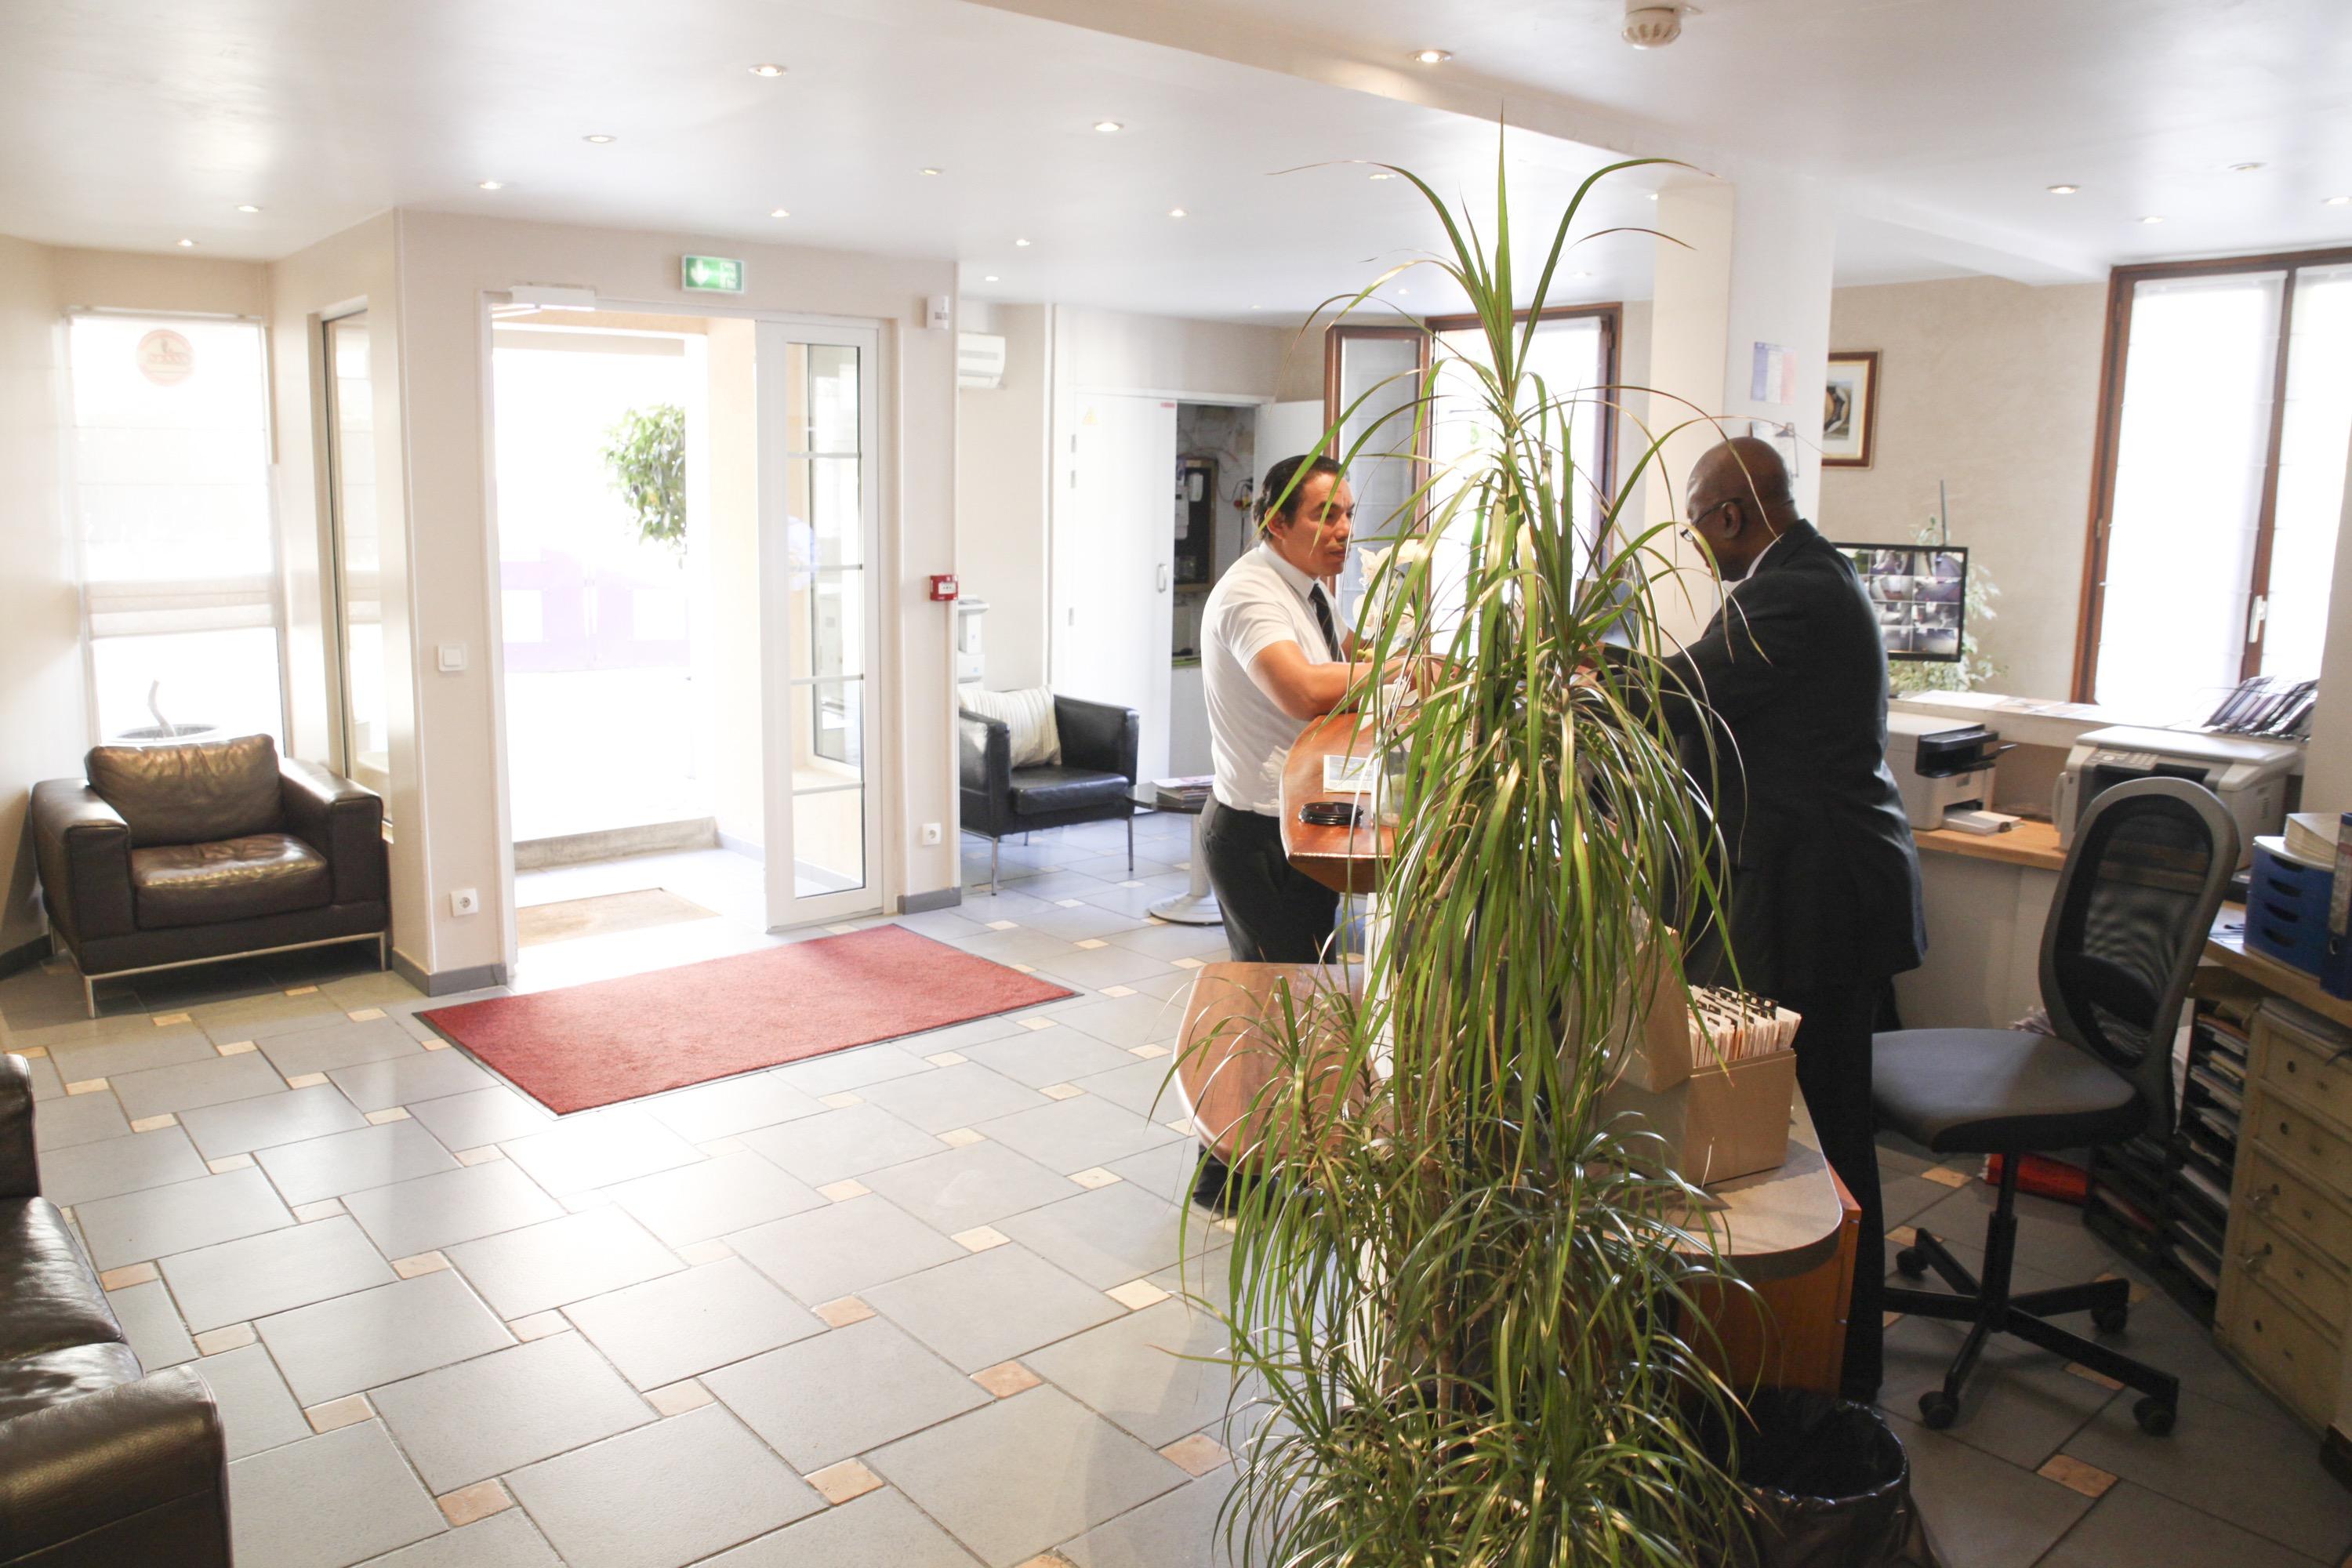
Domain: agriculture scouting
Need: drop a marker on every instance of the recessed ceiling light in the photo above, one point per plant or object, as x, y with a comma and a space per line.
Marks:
2244, 168
934, 171
187, 244
1580, 275
246, 207
1383, 173
1108, 127
1653, 195
778, 212
1022, 243
599, 138
1175, 212
2337, 202
2153, 217
1431, 56
492, 185
989, 279
766, 70
2063, 189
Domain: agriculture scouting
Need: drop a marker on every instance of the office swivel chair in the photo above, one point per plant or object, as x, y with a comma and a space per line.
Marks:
2134, 904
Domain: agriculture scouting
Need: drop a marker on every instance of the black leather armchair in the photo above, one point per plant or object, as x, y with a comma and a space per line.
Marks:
1094, 782
168, 856
100, 1464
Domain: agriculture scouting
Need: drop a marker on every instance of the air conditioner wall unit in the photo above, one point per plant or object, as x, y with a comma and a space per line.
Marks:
979, 362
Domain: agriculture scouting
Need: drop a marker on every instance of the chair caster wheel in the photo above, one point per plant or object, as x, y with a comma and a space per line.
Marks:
2154, 1415
1938, 1409
1911, 1263
2110, 1320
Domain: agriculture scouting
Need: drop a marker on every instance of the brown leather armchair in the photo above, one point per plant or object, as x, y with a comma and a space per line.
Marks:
169, 856
102, 1463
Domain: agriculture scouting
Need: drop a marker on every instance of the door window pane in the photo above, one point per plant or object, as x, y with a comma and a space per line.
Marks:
828, 613
2193, 448
2312, 452
825, 521
178, 544
359, 557
821, 400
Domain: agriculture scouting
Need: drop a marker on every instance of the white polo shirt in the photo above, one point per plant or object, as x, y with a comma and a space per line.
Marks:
1260, 601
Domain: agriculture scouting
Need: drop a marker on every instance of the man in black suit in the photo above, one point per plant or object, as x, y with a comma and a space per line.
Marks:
1788, 682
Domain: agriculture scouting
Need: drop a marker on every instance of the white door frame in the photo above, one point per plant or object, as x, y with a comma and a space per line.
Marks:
885, 808
786, 906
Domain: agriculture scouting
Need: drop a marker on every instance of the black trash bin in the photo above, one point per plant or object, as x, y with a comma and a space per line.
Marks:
1828, 1486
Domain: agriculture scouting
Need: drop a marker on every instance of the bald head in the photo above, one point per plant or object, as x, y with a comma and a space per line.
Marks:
1739, 501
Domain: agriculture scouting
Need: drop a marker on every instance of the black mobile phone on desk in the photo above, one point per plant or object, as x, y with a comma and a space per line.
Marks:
1331, 814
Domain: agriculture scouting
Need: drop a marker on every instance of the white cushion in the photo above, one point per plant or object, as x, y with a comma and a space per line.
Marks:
1036, 739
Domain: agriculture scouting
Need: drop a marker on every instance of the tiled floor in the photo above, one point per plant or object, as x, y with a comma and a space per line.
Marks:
903, 1306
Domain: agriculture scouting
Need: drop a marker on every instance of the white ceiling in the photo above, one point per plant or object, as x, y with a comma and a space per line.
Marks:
137, 123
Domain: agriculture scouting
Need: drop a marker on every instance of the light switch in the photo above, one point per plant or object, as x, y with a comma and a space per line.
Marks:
452, 657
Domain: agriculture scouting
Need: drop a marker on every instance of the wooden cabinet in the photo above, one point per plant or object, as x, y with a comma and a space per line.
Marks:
2287, 1274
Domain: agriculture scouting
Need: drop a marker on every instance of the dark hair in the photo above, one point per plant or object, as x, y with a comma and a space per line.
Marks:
1278, 478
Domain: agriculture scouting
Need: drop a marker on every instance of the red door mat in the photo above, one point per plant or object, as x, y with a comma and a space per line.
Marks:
612, 1040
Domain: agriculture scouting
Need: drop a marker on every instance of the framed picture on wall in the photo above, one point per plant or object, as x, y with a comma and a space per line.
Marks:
1850, 410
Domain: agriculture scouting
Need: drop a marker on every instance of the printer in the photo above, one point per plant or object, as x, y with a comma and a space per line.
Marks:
2249, 776
1939, 766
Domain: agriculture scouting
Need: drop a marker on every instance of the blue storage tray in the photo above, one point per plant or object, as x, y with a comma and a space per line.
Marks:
2286, 911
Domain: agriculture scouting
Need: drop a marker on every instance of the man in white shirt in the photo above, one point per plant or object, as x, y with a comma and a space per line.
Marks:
1275, 655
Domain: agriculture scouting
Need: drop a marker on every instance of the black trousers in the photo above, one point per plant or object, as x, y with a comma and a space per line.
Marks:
1274, 913
1834, 1069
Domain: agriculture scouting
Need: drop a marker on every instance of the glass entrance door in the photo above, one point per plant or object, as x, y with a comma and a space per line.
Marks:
820, 545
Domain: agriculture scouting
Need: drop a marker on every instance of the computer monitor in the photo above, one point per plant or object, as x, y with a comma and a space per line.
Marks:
1921, 595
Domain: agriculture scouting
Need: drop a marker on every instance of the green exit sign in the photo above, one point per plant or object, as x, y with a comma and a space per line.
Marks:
710, 273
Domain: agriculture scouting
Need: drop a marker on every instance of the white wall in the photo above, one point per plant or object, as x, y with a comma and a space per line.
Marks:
1992, 387
2327, 767
43, 727
1002, 467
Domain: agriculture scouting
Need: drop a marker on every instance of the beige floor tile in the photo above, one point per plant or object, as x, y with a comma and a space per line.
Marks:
1094, 1177
841, 1483
2076, 1476
229, 1337
390, 1113
95, 1086
165, 1020
306, 1081
678, 1398
1036, 1023
348, 1411
842, 1192
962, 1137
224, 1165
709, 1251
1119, 990
1006, 1378
841, 1101
124, 1278
467, 1504
538, 1326
948, 1059
1136, 1294
235, 1047
325, 1208
1147, 1053
420, 1263
841, 1314
1196, 1455
481, 1156
980, 1238
2087, 1375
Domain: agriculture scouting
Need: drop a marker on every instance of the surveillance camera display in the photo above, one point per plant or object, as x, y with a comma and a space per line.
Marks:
1919, 591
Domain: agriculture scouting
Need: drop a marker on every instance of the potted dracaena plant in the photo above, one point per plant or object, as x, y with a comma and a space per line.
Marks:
1459, 1312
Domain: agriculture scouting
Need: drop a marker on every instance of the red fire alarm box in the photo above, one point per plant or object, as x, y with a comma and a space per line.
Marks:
944, 586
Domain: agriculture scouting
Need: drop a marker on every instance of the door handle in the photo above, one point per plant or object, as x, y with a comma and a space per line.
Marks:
1160, 578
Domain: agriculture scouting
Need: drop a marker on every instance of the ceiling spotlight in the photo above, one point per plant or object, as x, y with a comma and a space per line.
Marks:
935, 171
187, 244
1431, 56
1580, 275
2336, 202
1175, 212
2153, 217
492, 185
2244, 168
1108, 127
1385, 173
2063, 189
246, 207
778, 212
989, 279
1022, 243
765, 69
1653, 195
600, 139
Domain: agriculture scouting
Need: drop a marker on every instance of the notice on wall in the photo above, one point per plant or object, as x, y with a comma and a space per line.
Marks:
165, 357
1772, 375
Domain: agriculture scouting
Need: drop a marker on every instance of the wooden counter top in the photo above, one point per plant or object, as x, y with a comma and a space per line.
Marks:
2034, 844
1347, 860
1782, 1223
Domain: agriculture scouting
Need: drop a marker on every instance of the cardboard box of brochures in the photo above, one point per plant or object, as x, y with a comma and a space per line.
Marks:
1716, 1084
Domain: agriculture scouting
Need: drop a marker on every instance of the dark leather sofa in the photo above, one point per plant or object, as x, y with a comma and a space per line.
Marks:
168, 856
100, 1464
1094, 782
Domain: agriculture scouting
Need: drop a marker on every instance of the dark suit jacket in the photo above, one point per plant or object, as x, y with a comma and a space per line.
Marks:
1824, 879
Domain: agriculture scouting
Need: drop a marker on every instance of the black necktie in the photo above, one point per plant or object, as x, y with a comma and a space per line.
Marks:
1323, 618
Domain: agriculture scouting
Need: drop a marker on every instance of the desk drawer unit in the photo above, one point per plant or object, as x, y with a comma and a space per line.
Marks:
2270, 1190
2306, 1141
2299, 1064
2273, 1256
2283, 1349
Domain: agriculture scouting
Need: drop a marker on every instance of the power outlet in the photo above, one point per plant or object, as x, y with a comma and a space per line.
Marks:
465, 901
933, 833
